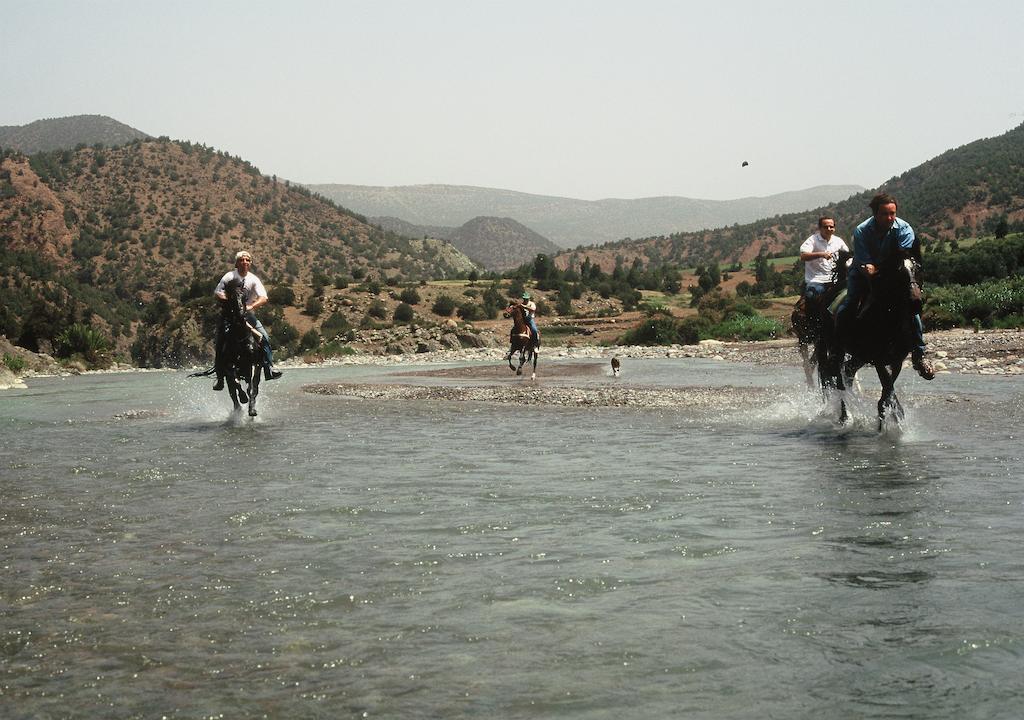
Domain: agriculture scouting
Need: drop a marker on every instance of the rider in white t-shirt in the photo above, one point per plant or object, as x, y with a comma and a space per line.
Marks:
255, 296
819, 253
530, 308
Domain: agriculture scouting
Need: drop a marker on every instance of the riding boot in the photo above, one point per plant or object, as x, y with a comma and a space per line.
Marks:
270, 373
219, 385
924, 368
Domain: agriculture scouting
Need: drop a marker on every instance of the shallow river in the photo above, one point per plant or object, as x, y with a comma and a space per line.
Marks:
347, 558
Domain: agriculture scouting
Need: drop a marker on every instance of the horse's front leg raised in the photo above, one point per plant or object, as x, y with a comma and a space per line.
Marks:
522, 361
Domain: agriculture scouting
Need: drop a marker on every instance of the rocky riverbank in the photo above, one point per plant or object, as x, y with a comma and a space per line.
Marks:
992, 352
988, 352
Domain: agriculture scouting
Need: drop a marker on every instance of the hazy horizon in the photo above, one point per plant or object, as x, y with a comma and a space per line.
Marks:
584, 100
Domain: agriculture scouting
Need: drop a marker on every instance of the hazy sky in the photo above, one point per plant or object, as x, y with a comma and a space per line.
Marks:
585, 99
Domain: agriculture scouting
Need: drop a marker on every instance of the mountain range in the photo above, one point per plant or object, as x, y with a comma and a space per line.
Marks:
964, 192
128, 239
569, 222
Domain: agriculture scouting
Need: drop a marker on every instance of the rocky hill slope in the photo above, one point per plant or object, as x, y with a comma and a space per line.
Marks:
123, 239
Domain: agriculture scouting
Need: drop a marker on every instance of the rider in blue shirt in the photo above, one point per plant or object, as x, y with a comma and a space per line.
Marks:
874, 241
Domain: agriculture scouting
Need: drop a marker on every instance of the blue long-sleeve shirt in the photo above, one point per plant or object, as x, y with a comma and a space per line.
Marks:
867, 248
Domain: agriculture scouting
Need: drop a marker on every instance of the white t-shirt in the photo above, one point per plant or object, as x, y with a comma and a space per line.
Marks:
253, 287
819, 270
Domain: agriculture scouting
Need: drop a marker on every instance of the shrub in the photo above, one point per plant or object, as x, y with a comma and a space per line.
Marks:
14, 363
992, 303
470, 311
314, 306
377, 310
334, 348
403, 313
410, 296
83, 340
654, 330
746, 327
444, 306
310, 339
335, 325
284, 334
281, 295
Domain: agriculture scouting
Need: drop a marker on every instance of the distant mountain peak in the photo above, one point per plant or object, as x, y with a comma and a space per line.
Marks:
66, 133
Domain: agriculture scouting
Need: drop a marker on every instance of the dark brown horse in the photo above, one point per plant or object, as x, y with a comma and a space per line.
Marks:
521, 340
807, 321
879, 334
241, 358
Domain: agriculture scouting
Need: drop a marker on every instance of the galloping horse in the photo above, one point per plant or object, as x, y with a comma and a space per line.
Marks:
878, 335
806, 324
521, 340
242, 354
807, 320
242, 357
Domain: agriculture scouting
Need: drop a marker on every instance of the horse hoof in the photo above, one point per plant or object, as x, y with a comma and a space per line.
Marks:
519, 372
252, 412
242, 396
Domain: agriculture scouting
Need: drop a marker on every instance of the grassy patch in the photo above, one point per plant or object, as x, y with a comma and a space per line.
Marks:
14, 363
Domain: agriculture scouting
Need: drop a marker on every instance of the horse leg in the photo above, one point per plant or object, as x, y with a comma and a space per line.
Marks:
508, 357
233, 390
522, 361
885, 402
254, 388
805, 354
534, 375
243, 396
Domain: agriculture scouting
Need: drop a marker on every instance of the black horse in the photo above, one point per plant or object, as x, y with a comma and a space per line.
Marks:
878, 333
241, 358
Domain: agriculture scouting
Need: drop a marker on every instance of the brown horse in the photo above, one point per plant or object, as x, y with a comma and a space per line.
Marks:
521, 340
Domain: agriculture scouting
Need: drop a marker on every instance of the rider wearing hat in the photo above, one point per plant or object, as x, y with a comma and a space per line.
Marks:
530, 310
255, 296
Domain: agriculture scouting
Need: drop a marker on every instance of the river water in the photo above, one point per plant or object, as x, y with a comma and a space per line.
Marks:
347, 558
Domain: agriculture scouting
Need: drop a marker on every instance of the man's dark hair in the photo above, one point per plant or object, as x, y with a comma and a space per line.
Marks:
879, 200
823, 218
